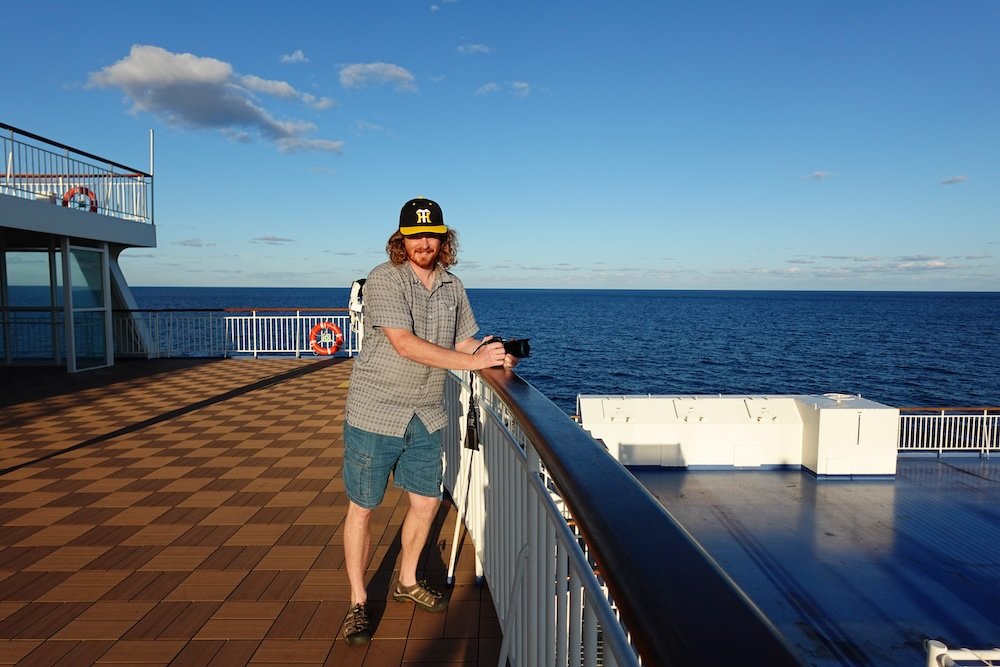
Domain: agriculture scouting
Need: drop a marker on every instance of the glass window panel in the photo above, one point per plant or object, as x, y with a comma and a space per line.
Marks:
28, 278
87, 278
88, 336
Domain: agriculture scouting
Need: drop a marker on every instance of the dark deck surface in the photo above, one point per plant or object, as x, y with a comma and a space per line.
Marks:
189, 512
854, 572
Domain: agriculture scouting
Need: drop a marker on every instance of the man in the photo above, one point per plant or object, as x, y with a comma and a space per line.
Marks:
418, 323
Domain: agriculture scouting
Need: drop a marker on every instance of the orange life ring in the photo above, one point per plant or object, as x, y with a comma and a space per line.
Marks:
80, 190
317, 335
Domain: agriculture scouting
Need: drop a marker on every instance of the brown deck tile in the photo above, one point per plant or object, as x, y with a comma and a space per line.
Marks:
55, 535
293, 620
155, 535
297, 651
137, 516
124, 557
435, 652
116, 611
139, 652
290, 557
81, 629
67, 559
232, 654
190, 513
172, 558
244, 628
11, 652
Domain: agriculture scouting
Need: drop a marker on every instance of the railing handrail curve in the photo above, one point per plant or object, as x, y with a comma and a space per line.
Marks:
672, 596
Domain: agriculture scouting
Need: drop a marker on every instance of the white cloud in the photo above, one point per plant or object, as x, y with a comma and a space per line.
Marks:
520, 88
297, 144
954, 180
360, 75
874, 265
819, 176
269, 87
317, 103
488, 89
515, 88
194, 243
186, 90
470, 49
273, 240
362, 126
295, 57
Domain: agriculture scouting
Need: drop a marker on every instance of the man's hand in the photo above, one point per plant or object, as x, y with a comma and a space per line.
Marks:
492, 354
508, 361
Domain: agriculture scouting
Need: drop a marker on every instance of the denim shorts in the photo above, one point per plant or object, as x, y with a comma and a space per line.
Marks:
414, 461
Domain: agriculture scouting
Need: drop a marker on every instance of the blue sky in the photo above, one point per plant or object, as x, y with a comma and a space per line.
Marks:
660, 144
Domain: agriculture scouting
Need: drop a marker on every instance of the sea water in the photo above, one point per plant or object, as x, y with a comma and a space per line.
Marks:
898, 348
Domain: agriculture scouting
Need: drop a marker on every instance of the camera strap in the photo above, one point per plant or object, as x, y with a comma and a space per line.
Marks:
472, 417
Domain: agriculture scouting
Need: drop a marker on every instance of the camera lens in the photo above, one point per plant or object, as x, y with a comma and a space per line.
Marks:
517, 347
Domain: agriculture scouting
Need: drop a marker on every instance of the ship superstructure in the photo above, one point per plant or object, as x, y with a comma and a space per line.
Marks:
65, 217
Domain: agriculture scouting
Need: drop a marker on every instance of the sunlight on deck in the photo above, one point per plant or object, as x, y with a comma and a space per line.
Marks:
190, 512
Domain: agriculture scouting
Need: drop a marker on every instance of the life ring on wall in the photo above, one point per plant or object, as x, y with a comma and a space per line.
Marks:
72, 193
325, 332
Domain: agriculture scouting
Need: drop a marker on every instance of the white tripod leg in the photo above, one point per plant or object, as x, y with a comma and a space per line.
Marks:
460, 518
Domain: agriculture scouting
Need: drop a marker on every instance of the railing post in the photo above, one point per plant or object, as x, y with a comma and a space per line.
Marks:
253, 328
301, 324
987, 441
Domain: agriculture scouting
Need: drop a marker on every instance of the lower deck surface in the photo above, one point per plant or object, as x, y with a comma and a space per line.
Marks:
854, 572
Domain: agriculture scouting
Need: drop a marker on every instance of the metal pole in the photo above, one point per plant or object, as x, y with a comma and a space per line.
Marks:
151, 219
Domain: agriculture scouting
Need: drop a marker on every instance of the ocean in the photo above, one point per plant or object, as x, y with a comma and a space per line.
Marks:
899, 348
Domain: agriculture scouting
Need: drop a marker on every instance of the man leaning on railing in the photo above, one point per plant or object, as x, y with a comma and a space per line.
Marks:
418, 324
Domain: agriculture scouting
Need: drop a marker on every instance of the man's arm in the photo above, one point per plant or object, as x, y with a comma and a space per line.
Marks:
468, 355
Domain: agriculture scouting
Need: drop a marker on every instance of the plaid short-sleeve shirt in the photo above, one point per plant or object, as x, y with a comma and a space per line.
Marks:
387, 390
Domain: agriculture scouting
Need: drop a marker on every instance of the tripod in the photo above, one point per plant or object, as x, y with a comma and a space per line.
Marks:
470, 443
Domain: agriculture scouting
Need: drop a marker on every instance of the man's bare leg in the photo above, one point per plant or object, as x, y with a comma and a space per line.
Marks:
416, 528
357, 549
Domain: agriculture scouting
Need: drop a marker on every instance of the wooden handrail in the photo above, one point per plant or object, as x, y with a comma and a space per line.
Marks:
675, 601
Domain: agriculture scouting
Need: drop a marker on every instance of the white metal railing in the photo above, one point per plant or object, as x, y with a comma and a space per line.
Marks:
549, 599
53, 173
585, 566
32, 334
221, 333
941, 430
939, 655
277, 334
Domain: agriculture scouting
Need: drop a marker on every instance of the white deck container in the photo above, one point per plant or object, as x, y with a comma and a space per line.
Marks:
830, 435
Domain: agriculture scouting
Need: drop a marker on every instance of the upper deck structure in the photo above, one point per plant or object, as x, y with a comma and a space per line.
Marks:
65, 217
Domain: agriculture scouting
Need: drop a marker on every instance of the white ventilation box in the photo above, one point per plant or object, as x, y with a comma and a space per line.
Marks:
831, 435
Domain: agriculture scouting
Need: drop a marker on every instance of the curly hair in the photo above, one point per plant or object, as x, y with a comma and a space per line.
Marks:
447, 258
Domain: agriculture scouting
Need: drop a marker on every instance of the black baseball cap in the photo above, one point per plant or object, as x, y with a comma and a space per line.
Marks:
421, 216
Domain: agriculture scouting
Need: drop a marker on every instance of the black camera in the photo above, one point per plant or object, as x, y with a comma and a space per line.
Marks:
515, 347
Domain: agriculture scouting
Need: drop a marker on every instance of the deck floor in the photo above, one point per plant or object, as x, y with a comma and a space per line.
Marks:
189, 512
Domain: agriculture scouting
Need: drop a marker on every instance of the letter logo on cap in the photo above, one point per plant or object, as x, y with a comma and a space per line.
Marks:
423, 216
